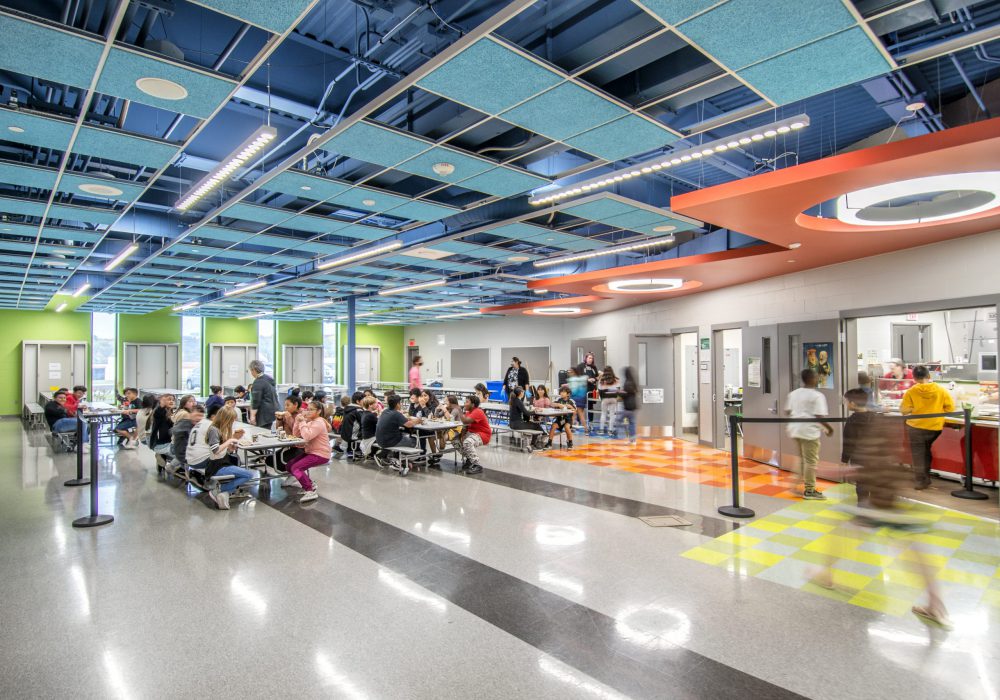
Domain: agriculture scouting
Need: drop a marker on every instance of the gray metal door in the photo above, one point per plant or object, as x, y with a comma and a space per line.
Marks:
652, 361
912, 342
579, 348
761, 397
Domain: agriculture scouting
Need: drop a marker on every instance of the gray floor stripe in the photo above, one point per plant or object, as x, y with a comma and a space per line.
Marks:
583, 638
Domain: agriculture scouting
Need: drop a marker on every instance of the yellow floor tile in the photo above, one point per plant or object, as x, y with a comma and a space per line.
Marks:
816, 527
738, 538
964, 577
850, 579
770, 526
760, 557
881, 603
706, 556
903, 578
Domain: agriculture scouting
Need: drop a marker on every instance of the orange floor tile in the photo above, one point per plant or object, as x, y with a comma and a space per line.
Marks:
678, 459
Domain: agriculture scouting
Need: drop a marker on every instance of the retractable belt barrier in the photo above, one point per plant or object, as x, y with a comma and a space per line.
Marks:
737, 511
80, 479
95, 518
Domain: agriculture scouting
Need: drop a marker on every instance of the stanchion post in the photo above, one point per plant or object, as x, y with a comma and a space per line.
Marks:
95, 518
735, 510
967, 491
79, 480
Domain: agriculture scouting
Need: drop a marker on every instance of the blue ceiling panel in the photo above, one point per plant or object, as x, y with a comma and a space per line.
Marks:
292, 183
88, 215
621, 138
638, 217
564, 111
465, 166
26, 176
489, 77
356, 197
504, 182
26, 207
259, 214
776, 25
826, 64
22, 127
675, 11
276, 16
422, 211
125, 68
123, 148
374, 144
313, 224
320, 248
70, 182
599, 210
518, 231
368, 233
48, 54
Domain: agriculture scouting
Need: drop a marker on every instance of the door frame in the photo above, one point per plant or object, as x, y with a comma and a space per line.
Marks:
285, 379
138, 346
667, 429
367, 347
678, 382
72, 354
222, 347
719, 423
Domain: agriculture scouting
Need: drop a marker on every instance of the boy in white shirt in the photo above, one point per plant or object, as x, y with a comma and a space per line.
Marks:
808, 402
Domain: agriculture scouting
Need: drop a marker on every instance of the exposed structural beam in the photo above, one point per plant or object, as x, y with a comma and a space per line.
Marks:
963, 41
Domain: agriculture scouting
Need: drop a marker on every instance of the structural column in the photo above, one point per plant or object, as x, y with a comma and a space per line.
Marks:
351, 347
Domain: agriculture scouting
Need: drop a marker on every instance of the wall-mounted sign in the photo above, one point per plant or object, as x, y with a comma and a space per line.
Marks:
912, 317
819, 357
705, 372
753, 372
706, 343
652, 395
412, 342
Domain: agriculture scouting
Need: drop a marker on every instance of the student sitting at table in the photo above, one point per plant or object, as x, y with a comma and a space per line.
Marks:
75, 399
379, 406
414, 401
212, 447
215, 401
520, 419
126, 427
58, 419
563, 423
159, 430
313, 428
185, 418
476, 432
306, 396
240, 392
337, 420
541, 399
369, 424
390, 426
350, 428
482, 392
230, 402
285, 420
144, 417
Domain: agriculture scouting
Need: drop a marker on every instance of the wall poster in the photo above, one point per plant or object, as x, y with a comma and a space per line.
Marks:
819, 357
753, 372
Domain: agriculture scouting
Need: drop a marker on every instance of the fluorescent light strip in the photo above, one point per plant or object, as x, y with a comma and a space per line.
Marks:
257, 315
81, 290
244, 289
668, 160
648, 243
120, 258
360, 255
313, 305
413, 287
61, 307
228, 165
185, 307
466, 313
443, 304
384, 323
364, 315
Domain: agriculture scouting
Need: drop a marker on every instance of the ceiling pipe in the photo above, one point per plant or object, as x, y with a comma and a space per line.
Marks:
968, 83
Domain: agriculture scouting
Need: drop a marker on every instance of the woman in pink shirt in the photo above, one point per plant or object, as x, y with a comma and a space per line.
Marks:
311, 427
415, 382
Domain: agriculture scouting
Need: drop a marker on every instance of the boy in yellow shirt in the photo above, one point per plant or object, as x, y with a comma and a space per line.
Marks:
924, 397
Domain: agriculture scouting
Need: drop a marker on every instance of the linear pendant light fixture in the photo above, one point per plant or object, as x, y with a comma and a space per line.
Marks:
613, 250
185, 307
81, 290
120, 258
669, 160
61, 307
441, 305
253, 145
412, 287
360, 255
244, 289
313, 305
466, 313
256, 315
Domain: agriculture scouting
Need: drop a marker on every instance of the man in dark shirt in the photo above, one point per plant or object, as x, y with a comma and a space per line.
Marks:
57, 417
388, 430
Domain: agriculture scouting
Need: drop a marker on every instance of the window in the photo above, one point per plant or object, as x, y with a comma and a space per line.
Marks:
104, 335
329, 352
265, 343
191, 353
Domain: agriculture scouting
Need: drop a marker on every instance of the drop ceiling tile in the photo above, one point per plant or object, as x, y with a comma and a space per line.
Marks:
34, 130
599, 209
70, 182
292, 183
313, 224
256, 213
355, 198
504, 182
26, 176
489, 77
422, 211
47, 53
637, 217
374, 144
517, 231
564, 111
123, 148
465, 166
86, 214
272, 15
11, 205
628, 136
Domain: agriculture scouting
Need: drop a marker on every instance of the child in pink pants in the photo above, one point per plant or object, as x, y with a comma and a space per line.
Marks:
313, 428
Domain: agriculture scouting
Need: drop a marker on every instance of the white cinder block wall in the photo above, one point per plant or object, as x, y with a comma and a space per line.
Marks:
964, 267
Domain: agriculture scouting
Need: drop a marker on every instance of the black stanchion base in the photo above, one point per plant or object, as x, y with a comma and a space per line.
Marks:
93, 520
969, 495
737, 512
76, 482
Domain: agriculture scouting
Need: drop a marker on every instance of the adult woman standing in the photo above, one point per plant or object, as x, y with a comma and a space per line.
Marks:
415, 381
516, 376
263, 396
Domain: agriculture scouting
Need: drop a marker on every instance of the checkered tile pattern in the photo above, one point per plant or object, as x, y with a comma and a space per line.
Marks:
875, 568
678, 459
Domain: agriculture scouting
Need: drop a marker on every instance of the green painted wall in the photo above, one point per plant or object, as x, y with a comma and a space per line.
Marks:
391, 354
225, 330
32, 325
157, 327
294, 333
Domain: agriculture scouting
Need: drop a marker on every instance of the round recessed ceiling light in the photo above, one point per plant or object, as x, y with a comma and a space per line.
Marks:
162, 88
915, 106
664, 229
794, 246
921, 200
519, 258
368, 202
791, 261
646, 285
557, 311
443, 169
305, 188
100, 190
15, 129
541, 291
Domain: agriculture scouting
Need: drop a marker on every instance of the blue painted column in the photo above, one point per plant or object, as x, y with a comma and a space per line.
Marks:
352, 372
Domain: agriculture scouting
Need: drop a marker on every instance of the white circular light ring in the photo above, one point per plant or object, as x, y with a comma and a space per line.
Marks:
666, 228
99, 190
851, 204
557, 311
519, 258
162, 88
15, 129
646, 285
443, 169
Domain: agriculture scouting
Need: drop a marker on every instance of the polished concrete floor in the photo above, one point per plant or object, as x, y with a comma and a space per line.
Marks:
536, 579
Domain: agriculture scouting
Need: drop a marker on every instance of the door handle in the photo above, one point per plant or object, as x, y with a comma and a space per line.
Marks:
774, 409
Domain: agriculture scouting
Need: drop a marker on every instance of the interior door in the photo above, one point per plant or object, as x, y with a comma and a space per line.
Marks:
685, 351
761, 441
727, 374
171, 367
30, 384
152, 368
362, 365
911, 342
815, 344
55, 367
234, 360
81, 368
652, 360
